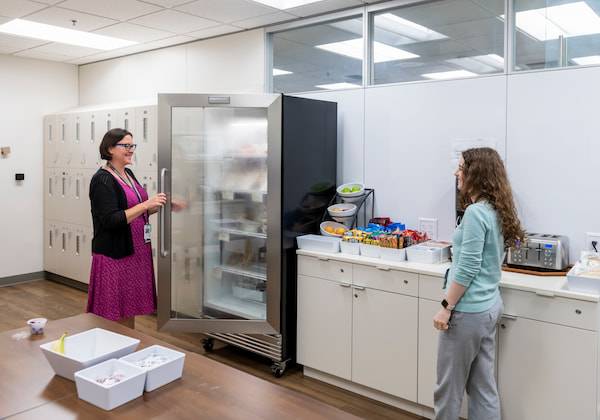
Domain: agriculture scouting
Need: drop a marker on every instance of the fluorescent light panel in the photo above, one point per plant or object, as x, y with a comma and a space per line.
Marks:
342, 85
584, 61
406, 28
354, 48
279, 72
61, 35
285, 4
449, 75
568, 20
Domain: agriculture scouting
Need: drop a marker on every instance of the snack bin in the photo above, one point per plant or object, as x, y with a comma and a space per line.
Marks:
162, 365
107, 397
86, 349
423, 254
352, 248
319, 243
392, 254
582, 284
370, 250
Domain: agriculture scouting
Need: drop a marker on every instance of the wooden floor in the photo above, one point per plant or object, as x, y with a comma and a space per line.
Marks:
52, 300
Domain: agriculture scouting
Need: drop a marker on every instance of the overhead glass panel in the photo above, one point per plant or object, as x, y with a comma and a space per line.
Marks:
441, 40
556, 33
319, 57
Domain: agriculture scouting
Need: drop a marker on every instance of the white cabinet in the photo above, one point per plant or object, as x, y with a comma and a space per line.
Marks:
354, 323
547, 370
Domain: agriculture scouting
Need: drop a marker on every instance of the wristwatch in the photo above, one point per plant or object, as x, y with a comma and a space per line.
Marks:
446, 305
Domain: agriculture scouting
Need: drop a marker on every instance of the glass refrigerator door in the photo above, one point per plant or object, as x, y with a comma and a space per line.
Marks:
216, 229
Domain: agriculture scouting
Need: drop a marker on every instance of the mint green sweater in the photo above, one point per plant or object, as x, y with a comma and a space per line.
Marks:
478, 247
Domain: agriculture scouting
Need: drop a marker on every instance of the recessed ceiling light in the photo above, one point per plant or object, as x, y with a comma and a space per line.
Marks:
568, 20
342, 85
285, 4
61, 35
584, 61
279, 72
449, 74
354, 48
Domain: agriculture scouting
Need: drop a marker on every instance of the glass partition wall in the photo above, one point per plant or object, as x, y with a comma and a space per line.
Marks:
400, 41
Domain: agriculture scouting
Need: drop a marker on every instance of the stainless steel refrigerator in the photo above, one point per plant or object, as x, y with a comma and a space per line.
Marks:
245, 174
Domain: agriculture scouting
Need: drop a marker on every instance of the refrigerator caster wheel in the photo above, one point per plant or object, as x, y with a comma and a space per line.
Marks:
208, 343
278, 369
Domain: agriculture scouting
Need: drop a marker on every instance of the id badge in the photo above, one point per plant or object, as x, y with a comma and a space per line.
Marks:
147, 231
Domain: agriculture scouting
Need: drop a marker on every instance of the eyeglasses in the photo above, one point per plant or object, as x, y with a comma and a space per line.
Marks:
127, 147
461, 168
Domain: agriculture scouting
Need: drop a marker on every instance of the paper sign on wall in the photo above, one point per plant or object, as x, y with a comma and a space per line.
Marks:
459, 146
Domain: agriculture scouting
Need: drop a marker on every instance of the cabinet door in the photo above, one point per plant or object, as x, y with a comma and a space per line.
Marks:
384, 344
324, 325
546, 371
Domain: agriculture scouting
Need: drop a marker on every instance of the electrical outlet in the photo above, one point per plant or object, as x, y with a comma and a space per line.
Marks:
592, 239
429, 226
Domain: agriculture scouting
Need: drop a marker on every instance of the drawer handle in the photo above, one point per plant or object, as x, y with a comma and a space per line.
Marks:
323, 258
358, 287
509, 317
383, 268
544, 294
344, 284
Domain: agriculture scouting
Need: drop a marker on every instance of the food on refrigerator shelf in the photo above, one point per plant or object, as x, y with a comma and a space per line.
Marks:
59, 345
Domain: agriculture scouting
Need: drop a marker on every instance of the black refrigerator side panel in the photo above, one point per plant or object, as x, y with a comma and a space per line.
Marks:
309, 168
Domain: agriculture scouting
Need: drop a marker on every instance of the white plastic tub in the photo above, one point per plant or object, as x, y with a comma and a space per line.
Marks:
582, 284
350, 247
162, 365
370, 250
392, 254
87, 349
319, 243
107, 397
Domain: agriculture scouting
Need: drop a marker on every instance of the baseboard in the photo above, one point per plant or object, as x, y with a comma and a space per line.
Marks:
66, 281
22, 278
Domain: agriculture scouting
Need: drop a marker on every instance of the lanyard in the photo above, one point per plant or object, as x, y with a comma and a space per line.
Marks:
130, 184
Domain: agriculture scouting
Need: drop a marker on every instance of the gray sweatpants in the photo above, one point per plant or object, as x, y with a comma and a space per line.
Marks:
466, 354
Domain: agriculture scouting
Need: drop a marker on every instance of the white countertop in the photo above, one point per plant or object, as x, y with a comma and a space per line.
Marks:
544, 285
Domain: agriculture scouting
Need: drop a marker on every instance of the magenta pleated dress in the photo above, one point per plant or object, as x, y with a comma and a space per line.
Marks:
124, 287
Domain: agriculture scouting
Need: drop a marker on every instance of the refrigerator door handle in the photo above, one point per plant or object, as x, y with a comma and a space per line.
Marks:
161, 234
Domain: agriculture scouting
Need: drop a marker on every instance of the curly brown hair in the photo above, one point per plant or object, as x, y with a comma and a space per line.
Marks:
484, 178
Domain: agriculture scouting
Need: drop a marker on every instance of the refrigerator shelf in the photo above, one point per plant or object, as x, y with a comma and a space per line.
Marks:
243, 308
225, 233
256, 271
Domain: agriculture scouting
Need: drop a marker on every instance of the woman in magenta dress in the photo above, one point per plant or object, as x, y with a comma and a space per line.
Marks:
122, 283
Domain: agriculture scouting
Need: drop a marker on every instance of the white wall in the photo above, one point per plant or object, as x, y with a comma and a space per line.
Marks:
30, 89
234, 63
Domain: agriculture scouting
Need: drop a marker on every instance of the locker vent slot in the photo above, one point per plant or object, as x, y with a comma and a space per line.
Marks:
64, 242
77, 137
126, 124
145, 130
77, 245
64, 133
77, 189
50, 186
64, 186
93, 129
50, 133
50, 238
108, 124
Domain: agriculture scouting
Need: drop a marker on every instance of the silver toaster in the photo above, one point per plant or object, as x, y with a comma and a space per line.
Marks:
541, 252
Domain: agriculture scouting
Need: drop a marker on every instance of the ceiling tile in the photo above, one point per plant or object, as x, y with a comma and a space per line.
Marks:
324, 7
174, 40
132, 32
214, 31
264, 20
19, 9
58, 16
11, 44
226, 11
114, 9
174, 21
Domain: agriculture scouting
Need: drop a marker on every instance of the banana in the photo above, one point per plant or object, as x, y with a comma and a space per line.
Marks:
59, 345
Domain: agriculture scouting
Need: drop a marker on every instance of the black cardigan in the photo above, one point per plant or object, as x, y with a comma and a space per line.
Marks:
112, 233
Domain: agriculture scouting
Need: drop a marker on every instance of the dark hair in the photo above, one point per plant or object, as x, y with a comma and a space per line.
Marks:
484, 178
110, 139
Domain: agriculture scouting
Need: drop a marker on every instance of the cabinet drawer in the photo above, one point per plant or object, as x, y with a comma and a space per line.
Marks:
384, 278
325, 268
431, 287
557, 310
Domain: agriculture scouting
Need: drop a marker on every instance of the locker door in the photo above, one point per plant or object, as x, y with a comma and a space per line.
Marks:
145, 156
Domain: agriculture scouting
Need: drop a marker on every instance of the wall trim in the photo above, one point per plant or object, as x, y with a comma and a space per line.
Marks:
22, 278
66, 281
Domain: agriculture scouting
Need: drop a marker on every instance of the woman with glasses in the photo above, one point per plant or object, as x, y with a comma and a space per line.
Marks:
122, 283
470, 312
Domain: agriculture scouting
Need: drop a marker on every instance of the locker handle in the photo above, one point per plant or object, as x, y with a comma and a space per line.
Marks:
344, 284
161, 239
358, 287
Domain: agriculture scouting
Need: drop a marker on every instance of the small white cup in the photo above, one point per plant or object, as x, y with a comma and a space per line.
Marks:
36, 325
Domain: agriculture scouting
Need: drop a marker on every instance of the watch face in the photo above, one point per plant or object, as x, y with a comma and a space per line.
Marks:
445, 303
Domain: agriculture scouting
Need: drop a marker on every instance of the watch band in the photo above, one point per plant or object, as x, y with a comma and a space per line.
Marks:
446, 305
